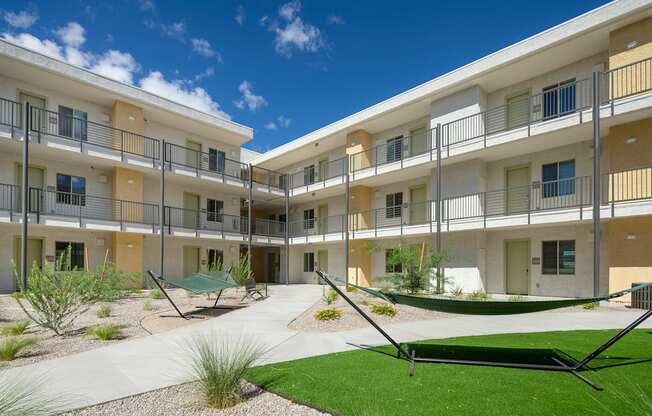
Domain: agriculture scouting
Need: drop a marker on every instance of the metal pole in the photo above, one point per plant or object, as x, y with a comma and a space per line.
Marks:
346, 221
596, 183
25, 198
438, 207
162, 209
287, 230
249, 223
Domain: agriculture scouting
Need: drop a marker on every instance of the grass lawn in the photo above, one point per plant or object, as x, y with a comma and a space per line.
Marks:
368, 382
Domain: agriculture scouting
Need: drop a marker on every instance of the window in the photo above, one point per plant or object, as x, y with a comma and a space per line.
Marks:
282, 181
215, 258
73, 123
282, 218
558, 257
559, 99
308, 262
394, 149
308, 219
214, 210
216, 160
391, 268
71, 189
76, 253
309, 175
558, 178
393, 204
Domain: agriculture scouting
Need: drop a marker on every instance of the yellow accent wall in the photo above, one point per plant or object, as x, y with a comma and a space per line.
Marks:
360, 202
128, 252
360, 263
356, 142
629, 82
629, 258
130, 119
630, 162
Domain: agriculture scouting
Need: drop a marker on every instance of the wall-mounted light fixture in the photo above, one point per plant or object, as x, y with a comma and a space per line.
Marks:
130, 245
130, 181
132, 118
631, 140
631, 236
631, 44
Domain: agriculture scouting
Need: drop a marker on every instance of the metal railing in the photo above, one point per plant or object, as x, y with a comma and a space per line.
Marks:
181, 156
394, 150
268, 228
10, 115
9, 198
318, 173
193, 219
317, 226
269, 178
628, 80
83, 132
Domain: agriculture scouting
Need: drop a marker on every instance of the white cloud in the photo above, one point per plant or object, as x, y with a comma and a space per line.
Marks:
271, 126
334, 20
240, 15
46, 47
175, 30
117, 65
146, 5
249, 99
292, 33
21, 20
284, 121
209, 72
202, 47
72, 34
176, 90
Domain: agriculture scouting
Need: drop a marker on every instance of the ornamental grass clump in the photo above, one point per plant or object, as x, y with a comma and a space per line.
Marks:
219, 365
20, 396
149, 306
15, 328
10, 347
478, 295
328, 314
457, 292
330, 297
156, 294
104, 311
105, 332
383, 309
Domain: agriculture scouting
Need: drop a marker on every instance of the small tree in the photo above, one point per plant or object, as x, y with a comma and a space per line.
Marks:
57, 295
241, 271
109, 283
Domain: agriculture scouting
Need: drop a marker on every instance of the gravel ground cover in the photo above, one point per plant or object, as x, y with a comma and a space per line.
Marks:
183, 399
129, 313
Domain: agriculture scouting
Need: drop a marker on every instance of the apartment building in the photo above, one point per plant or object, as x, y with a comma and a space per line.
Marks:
493, 162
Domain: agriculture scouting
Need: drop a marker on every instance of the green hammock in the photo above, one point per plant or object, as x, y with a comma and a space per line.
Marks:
471, 307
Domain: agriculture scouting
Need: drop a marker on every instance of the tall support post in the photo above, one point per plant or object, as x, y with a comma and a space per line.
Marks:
287, 230
596, 183
25, 197
161, 208
346, 220
250, 202
438, 208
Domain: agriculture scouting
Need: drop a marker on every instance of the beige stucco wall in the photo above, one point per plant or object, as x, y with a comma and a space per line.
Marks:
630, 240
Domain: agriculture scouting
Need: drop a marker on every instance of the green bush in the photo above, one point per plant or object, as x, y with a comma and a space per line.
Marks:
136, 291
478, 295
328, 314
149, 306
15, 328
516, 298
351, 289
156, 294
590, 306
11, 346
331, 297
105, 332
109, 282
457, 292
219, 365
241, 271
104, 311
383, 309
57, 295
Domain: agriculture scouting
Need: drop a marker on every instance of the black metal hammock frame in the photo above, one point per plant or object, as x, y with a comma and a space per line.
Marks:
503, 308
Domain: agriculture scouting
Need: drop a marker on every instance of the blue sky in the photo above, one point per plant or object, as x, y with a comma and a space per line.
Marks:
282, 68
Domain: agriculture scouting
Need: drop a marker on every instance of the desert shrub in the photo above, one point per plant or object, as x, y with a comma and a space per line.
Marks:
328, 314
10, 347
22, 396
457, 291
219, 366
15, 328
136, 290
365, 302
331, 297
149, 305
516, 298
351, 289
104, 311
109, 283
241, 271
590, 306
156, 294
383, 309
478, 295
105, 332
57, 295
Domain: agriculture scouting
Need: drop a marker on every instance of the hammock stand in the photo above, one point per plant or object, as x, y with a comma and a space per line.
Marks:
560, 366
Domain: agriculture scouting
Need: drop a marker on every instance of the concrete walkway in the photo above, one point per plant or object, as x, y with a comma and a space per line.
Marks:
157, 361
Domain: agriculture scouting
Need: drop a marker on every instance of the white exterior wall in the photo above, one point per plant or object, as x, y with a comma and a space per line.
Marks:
331, 155
401, 130
458, 105
379, 193
335, 262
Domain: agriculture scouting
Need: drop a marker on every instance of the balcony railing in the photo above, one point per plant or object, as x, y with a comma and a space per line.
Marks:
394, 150
268, 228
9, 199
203, 220
318, 173
10, 115
317, 226
629, 80
210, 163
269, 178
82, 132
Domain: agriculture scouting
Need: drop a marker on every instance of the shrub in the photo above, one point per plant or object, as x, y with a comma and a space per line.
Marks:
156, 294
241, 271
136, 290
103, 311
364, 302
590, 306
328, 314
109, 282
15, 328
331, 297
11, 346
516, 298
57, 295
105, 332
219, 365
149, 306
351, 289
383, 309
22, 396
478, 295
457, 291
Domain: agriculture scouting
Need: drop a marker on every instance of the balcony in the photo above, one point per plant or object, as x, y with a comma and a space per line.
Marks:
318, 230
211, 166
268, 231
10, 116
265, 180
325, 174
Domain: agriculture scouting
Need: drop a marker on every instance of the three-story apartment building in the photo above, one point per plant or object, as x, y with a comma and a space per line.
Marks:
493, 162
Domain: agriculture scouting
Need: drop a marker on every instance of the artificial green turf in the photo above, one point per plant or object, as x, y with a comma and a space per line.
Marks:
368, 382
